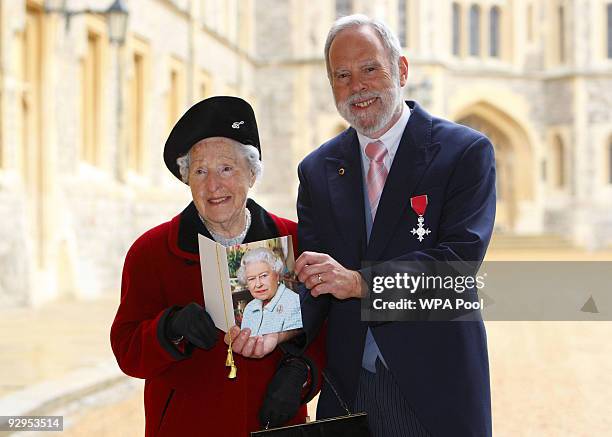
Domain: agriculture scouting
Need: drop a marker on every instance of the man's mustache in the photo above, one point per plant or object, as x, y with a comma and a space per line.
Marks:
359, 97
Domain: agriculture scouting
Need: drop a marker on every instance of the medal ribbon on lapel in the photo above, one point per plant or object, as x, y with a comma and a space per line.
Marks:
419, 205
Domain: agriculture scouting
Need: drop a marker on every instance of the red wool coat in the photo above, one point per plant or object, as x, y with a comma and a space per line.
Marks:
187, 395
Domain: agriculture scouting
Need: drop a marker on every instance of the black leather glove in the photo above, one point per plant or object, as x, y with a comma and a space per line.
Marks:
195, 324
284, 394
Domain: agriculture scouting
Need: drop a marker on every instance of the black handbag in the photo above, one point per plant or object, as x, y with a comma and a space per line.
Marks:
353, 424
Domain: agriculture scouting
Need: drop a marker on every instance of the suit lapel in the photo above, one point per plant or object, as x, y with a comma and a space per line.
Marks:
345, 182
412, 158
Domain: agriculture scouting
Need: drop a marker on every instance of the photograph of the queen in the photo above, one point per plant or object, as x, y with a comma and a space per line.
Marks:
274, 307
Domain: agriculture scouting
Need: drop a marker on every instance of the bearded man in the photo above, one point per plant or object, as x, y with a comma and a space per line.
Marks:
363, 197
398, 187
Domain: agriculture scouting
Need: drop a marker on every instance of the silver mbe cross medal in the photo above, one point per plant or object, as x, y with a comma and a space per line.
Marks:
419, 205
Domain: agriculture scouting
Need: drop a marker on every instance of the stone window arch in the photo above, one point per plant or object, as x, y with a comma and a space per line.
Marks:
402, 22
175, 99
456, 29
91, 99
530, 21
609, 29
561, 35
475, 30
494, 34
557, 160
609, 161
137, 84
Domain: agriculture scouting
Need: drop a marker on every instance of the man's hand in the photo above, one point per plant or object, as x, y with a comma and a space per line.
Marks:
322, 274
256, 347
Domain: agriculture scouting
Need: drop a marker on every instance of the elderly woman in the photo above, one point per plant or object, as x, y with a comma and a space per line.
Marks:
274, 307
162, 332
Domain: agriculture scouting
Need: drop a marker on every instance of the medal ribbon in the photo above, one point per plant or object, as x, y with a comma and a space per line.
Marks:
419, 204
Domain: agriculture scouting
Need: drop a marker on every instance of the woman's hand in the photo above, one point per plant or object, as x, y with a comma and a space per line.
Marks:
251, 347
256, 347
194, 324
284, 394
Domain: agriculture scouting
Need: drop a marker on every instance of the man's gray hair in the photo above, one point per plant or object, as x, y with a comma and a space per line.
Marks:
248, 152
259, 254
387, 37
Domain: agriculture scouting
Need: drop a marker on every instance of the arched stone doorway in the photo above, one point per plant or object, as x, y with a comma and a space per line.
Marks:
513, 157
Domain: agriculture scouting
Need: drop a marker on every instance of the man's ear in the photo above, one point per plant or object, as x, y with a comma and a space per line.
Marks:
403, 70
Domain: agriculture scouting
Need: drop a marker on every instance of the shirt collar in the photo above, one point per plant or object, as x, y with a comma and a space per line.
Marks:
392, 137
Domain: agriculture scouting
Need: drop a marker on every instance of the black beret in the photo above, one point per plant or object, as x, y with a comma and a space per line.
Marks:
219, 116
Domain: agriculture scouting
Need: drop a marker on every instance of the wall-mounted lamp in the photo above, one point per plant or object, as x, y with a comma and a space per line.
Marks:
116, 15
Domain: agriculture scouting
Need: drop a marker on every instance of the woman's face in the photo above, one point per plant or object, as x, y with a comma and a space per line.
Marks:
219, 179
261, 280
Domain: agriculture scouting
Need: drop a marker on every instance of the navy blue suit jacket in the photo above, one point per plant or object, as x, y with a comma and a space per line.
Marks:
441, 367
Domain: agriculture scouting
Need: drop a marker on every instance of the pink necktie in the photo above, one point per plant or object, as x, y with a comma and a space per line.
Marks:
377, 173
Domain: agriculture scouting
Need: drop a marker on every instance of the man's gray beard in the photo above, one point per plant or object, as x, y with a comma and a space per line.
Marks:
390, 99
